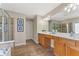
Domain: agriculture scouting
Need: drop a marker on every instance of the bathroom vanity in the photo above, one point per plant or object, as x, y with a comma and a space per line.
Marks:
62, 44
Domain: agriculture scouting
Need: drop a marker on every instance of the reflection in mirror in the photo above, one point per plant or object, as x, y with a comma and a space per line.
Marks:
64, 26
63, 19
76, 28
0, 29
58, 26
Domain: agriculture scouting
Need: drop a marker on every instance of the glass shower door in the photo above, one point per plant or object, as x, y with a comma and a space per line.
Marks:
6, 29
0, 29
6, 26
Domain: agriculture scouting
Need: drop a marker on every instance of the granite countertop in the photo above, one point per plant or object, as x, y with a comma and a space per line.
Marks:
63, 35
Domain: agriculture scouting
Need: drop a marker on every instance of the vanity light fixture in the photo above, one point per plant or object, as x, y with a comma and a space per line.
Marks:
47, 18
71, 7
74, 8
69, 10
77, 4
65, 8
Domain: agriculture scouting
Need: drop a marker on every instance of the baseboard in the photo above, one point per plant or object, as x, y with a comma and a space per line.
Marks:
28, 39
19, 44
35, 41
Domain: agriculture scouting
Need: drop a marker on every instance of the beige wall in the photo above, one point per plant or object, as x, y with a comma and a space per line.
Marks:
19, 37
35, 29
42, 24
29, 29
39, 25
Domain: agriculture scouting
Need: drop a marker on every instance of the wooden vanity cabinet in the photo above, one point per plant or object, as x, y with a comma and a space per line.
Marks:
44, 40
77, 44
48, 41
60, 47
66, 47
72, 48
41, 39
56, 47
72, 51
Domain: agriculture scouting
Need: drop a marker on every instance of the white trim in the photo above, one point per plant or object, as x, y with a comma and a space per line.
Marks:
19, 44
2, 28
7, 42
35, 41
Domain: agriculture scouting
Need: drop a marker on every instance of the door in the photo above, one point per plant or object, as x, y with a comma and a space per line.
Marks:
72, 51
72, 48
47, 42
56, 46
41, 39
62, 47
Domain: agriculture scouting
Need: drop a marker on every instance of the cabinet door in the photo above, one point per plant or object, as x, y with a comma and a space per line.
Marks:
43, 40
72, 51
56, 46
72, 48
47, 42
39, 38
60, 48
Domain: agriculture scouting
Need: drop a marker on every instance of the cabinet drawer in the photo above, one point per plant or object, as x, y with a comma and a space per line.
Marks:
71, 43
77, 43
48, 36
72, 51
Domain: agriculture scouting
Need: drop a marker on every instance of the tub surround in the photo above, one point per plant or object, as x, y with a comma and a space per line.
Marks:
5, 48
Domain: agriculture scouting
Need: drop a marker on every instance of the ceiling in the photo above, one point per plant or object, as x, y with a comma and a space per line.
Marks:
63, 15
30, 9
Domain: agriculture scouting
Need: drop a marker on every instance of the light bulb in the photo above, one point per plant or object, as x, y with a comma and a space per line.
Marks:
65, 8
71, 5
74, 7
69, 10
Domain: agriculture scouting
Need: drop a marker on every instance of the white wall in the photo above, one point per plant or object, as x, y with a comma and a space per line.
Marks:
35, 29
19, 37
42, 24
39, 25
29, 29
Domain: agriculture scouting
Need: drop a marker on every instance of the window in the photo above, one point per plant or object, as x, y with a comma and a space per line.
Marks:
77, 28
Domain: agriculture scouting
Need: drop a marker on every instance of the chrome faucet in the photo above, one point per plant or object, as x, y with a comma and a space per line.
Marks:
72, 33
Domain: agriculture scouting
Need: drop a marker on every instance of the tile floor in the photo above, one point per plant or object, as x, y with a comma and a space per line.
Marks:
30, 49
